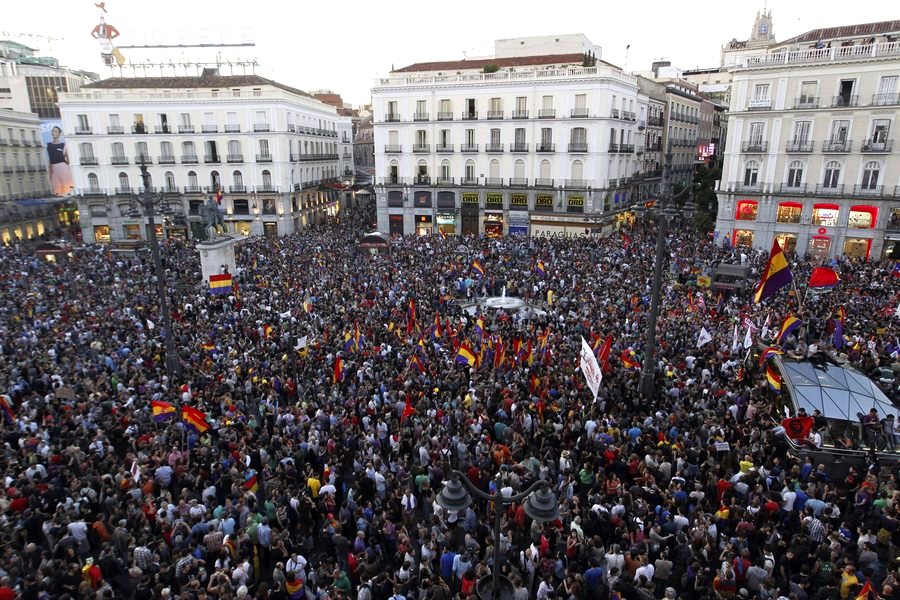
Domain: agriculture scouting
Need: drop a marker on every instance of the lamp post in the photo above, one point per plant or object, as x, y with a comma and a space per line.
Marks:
666, 214
540, 504
148, 202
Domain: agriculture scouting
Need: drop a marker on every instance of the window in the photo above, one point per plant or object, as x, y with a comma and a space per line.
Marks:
170, 181
801, 131
238, 179
577, 170
445, 137
209, 119
747, 210
184, 119
393, 137
445, 169
446, 107
264, 147
521, 104
470, 170
267, 179
832, 174
232, 119
519, 169
187, 149
839, 131
862, 217
214, 181
241, 207
751, 173
114, 120
789, 212
825, 215
86, 150
421, 137
578, 136
761, 92
139, 126
757, 133
880, 129
495, 137
545, 170
470, 137
871, 172
887, 91
581, 101
123, 181
547, 102
795, 174
807, 93
192, 180
496, 105
392, 110
519, 137
83, 124
494, 169
234, 148
140, 151
420, 108
93, 182
165, 149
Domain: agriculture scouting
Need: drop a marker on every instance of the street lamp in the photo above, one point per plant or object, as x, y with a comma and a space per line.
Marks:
148, 202
540, 504
666, 214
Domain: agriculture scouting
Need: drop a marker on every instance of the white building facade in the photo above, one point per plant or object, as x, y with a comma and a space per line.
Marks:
811, 158
279, 157
519, 144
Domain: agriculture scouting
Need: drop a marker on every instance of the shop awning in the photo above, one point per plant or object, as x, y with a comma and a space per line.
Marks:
375, 240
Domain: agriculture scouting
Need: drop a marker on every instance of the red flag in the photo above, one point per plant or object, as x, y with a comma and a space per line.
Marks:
797, 428
408, 410
823, 277
603, 355
338, 370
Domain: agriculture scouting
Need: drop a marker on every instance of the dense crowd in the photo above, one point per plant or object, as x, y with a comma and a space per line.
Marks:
338, 409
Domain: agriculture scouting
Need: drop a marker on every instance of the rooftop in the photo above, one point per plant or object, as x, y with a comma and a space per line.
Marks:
480, 63
844, 31
207, 80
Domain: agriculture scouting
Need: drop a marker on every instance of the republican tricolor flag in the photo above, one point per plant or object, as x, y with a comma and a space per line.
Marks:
195, 419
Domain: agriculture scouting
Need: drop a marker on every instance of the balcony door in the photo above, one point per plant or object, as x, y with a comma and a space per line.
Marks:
757, 132
840, 130
802, 131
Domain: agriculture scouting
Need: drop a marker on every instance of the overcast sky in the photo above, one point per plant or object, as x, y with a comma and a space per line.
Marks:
343, 46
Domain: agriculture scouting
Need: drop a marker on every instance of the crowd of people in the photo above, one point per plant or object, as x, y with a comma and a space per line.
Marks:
339, 404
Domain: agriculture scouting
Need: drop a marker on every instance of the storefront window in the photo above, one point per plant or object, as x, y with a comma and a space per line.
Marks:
825, 215
5, 237
787, 241
862, 217
270, 229
743, 237
746, 210
575, 204
396, 224
819, 247
446, 222
101, 234
493, 225
789, 212
857, 247
493, 201
242, 227
423, 225
543, 202
131, 232
894, 223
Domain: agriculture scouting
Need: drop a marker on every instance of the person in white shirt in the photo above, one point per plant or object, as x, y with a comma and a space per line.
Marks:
788, 496
646, 569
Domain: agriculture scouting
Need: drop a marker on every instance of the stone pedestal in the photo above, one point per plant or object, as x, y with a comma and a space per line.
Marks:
215, 254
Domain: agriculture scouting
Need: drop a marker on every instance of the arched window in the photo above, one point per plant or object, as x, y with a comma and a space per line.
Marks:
140, 150
238, 180
470, 170
519, 169
832, 174
165, 149
871, 173
170, 181
577, 170
445, 170
93, 182
494, 169
545, 169
267, 179
192, 180
422, 169
118, 150
123, 182
214, 181
795, 174
86, 150
751, 173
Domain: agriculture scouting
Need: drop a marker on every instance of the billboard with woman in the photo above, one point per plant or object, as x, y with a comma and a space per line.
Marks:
58, 158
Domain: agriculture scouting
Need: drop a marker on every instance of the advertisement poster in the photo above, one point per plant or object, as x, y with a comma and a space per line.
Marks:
54, 141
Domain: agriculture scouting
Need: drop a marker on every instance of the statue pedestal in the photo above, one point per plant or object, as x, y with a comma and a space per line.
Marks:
215, 254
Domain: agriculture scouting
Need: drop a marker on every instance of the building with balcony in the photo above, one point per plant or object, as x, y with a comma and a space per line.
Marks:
652, 158
530, 141
279, 156
811, 159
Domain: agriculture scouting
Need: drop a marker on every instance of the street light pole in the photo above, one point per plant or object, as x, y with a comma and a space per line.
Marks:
664, 216
148, 202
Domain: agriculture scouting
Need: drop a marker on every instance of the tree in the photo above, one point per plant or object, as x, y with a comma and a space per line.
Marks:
705, 198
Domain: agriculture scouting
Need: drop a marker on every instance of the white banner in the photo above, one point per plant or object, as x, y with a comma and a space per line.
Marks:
590, 368
703, 338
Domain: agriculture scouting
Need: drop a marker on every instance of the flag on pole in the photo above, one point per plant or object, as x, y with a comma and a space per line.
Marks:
442, 234
416, 363
479, 327
735, 344
195, 419
704, 337
411, 316
478, 268
823, 277
797, 428
628, 359
220, 285
436, 328
776, 275
770, 352
465, 356
773, 378
338, 369
748, 338
162, 411
589, 368
539, 269
765, 328
789, 325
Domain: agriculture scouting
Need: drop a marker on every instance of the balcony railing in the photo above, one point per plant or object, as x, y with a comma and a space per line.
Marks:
124, 190
93, 191
166, 160
189, 159
493, 182
266, 188
642, 124
422, 180
879, 147
469, 148
237, 189
790, 188
420, 116
520, 114
209, 128
445, 116
830, 190
806, 102
885, 99
614, 113
626, 148
628, 115
576, 183
421, 148
115, 130
212, 159
235, 158
543, 183
232, 128
83, 131
393, 148
655, 121
260, 127
518, 182
469, 116
193, 189
747, 188
518, 147
844, 100
495, 114
547, 113
444, 148
392, 118
578, 147
468, 181
579, 113
119, 160
88, 160
185, 129
760, 104
799, 146
837, 146
871, 190
162, 129
613, 148
545, 148
755, 146
493, 148
142, 158
444, 181
393, 181
263, 158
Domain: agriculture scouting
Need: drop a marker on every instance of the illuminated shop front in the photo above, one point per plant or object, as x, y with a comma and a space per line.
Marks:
424, 225
446, 222
747, 210
743, 237
493, 223
787, 241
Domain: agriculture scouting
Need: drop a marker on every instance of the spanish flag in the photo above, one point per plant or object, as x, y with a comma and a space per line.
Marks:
776, 275
267, 330
773, 378
162, 411
500, 354
789, 325
251, 481
628, 360
465, 356
194, 419
477, 266
338, 369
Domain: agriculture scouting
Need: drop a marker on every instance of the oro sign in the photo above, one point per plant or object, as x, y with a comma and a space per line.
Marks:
590, 368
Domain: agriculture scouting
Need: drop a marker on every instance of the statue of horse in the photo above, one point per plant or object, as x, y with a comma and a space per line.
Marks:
212, 220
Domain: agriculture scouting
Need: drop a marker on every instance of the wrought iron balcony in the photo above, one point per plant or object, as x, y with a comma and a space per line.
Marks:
520, 114
422, 180
626, 148
166, 160
543, 183
420, 116
115, 130
261, 127
518, 182
263, 158
518, 147
799, 146
393, 181
545, 148
212, 159
844, 100
124, 190
421, 148
837, 146
93, 191
162, 129
789, 188
142, 158
234, 128
445, 116
613, 148
469, 116
493, 148
469, 148
237, 189
579, 113
83, 131
804, 102
877, 147
576, 183
614, 113
444, 148
868, 191
444, 181
493, 182
495, 114
392, 118
193, 189
189, 159
628, 115
746, 188
885, 99
88, 161
209, 128
655, 121
755, 146
579, 147
393, 148
547, 113
185, 129
119, 160
235, 158
267, 188
469, 181
829, 190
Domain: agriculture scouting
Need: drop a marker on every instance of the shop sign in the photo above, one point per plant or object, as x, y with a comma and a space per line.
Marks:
543, 201
576, 201
494, 199
518, 200
470, 197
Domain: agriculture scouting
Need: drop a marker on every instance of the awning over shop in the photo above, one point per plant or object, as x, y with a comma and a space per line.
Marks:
375, 240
